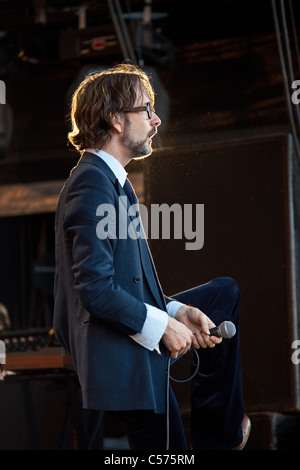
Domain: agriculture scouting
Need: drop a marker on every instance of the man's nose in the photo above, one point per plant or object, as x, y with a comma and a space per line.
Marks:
155, 121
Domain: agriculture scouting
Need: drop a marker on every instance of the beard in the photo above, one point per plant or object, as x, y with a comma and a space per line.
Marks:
138, 149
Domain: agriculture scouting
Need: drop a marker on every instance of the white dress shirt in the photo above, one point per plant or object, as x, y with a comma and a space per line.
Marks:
156, 320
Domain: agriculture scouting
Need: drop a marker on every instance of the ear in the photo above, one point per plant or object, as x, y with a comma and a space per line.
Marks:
117, 122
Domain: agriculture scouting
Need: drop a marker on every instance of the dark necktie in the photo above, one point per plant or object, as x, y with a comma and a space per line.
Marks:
131, 195
130, 192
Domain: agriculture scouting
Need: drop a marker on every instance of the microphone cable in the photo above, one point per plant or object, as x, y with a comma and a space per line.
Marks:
169, 377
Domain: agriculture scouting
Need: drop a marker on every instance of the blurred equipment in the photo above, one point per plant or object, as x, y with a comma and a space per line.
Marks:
132, 32
6, 128
4, 318
32, 339
285, 28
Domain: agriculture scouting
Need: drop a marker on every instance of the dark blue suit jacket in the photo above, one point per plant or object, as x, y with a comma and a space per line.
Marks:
100, 290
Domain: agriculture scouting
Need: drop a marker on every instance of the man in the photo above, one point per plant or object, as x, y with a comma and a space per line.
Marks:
110, 313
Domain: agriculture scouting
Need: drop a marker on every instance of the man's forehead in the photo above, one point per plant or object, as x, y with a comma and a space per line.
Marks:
142, 96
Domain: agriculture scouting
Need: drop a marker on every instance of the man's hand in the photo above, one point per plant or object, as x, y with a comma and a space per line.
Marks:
177, 337
199, 324
190, 326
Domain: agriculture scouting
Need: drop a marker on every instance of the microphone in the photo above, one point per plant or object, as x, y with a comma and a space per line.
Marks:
224, 330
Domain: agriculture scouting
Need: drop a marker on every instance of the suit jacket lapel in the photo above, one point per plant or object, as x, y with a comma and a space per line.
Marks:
145, 255
146, 258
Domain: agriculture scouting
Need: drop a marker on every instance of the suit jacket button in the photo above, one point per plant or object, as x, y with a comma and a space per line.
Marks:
137, 279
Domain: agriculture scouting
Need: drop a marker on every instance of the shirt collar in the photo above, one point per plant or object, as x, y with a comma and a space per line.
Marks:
113, 164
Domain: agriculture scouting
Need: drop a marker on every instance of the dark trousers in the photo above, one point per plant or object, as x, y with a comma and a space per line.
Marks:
217, 407
146, 430
216, 391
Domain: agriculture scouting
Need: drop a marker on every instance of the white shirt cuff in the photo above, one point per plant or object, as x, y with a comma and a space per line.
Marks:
153, 328
172, 307
155, 325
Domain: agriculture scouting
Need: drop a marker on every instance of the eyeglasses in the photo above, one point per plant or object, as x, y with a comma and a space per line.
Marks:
137, 109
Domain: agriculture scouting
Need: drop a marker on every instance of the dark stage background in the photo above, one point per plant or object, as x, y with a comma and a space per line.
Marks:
223, 73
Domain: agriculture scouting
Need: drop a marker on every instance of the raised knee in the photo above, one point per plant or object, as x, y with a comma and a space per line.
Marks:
230, 287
